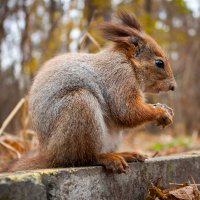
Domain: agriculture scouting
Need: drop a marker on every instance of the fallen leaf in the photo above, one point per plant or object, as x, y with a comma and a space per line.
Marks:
184, 193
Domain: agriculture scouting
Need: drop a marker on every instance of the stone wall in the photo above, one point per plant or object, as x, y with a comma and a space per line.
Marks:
94, 183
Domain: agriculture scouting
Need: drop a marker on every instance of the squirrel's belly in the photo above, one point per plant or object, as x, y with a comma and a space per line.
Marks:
111, 141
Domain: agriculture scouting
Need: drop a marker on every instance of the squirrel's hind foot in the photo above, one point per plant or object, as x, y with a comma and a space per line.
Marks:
117, 162
112, 162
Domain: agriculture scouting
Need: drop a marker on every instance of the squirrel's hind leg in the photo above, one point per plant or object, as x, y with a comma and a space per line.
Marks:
78, 131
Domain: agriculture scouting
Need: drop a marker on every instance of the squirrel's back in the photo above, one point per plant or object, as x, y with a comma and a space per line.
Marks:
56, 80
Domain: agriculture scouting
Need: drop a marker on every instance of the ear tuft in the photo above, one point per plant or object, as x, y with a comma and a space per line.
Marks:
129, 19
123, 32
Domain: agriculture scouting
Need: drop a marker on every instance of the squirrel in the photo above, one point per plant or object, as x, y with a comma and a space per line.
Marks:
79, 103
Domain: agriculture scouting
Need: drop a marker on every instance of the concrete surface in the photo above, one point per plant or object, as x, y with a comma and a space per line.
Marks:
94, 183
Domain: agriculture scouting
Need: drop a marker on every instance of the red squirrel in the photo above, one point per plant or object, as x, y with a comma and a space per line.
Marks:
79, 103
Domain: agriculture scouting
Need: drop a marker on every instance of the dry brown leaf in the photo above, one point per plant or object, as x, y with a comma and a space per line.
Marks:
184, 193
16, 145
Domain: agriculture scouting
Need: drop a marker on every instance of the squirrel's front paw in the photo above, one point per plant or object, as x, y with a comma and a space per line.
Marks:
165, 118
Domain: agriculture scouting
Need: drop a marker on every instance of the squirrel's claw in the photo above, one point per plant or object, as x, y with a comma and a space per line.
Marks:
166, 108
133, 156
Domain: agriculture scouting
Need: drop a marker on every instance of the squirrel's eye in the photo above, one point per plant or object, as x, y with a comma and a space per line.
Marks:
159, 63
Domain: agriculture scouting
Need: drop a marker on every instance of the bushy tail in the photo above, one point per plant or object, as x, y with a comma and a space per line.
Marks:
28, 162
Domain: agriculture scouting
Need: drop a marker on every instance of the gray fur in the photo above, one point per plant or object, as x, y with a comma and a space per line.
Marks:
69, 72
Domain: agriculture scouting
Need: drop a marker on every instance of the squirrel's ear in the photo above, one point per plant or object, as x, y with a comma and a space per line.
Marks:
134, 40
120, 33
114, 32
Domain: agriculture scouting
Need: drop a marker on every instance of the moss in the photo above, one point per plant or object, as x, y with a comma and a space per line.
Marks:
36, 176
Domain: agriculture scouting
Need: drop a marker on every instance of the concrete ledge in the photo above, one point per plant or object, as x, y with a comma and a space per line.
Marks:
95, 183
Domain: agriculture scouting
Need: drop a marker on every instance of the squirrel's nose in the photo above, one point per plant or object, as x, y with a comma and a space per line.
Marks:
172, 87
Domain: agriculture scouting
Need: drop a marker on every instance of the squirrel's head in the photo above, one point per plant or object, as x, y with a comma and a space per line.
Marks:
150, 63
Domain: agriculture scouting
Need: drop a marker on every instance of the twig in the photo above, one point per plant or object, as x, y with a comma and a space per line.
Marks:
93, 40
31, 132
155, 154
11, 115
82, 42
24, 124
179, 184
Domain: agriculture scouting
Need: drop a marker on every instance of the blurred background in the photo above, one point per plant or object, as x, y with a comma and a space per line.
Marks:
32, 31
